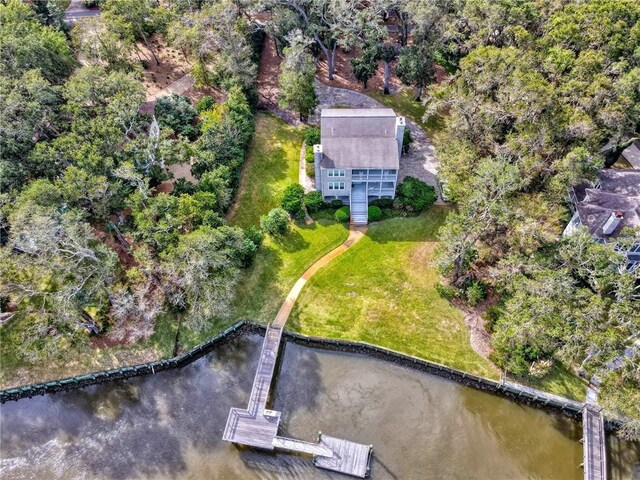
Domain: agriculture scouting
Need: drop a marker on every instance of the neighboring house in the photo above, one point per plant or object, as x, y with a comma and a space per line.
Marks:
631, 155
358, 156
608, 206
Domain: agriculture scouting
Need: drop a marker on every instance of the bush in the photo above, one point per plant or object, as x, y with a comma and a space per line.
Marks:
337, 203
182, 186
475, 292
414, 194
293, 199
446, 291
491, 316
314, 202
310, 168
276, 222
343, 214
254, 235
312, 137
374, 213
383, 202
91, 3
177, 113
205, 103
309, 156
406, 140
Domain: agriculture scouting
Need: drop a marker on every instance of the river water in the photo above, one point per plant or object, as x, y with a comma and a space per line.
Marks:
169, 425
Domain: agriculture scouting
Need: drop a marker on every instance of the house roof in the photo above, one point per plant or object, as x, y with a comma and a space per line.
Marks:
632, 154
619, 192
358, 138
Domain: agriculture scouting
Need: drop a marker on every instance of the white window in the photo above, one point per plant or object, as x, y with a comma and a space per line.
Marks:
336, 173
336, 185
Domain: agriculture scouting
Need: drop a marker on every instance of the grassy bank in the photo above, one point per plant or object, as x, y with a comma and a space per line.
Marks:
382, 291
404, 104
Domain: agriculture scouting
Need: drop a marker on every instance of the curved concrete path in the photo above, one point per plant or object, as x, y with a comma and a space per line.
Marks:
355, 234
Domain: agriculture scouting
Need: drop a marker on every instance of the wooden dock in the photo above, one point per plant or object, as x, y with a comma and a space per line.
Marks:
257, 426
594, 448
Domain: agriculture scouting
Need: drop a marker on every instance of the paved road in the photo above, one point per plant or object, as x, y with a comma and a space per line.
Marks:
77, 11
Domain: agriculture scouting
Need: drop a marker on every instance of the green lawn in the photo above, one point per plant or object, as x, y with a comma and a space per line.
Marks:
271, 165
382, 291
561, 381
404, 104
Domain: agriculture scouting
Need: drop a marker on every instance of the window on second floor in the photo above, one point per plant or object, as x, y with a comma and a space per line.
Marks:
336, 173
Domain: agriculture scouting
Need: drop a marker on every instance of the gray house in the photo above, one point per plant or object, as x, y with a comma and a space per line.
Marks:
358, 157
606, 207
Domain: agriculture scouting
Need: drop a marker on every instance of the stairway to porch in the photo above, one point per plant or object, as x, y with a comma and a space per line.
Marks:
359, 205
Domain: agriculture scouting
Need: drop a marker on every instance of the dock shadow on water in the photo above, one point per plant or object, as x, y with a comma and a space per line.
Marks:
169, 425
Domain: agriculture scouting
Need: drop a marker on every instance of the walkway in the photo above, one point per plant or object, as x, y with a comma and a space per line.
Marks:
594, 449
419, 162
257, 426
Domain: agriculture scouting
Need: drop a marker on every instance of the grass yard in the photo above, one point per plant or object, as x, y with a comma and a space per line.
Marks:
271, 165
404, 104
382, 291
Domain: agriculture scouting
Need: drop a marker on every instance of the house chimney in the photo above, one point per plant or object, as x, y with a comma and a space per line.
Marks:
317, 158
400, 126
614, 220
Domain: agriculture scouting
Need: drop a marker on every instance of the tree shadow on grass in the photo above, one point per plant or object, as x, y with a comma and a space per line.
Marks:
291, 242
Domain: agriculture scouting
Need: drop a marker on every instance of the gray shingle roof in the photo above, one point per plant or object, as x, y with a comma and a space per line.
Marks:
359, 138
619, 192
632, 154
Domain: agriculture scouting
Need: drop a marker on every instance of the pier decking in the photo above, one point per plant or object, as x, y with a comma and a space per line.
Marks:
257, 426
594, 448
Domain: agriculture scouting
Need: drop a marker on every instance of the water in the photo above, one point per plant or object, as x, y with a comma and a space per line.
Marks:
169, 426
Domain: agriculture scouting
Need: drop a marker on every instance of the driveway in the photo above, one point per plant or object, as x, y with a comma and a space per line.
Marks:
419, 162
77, 11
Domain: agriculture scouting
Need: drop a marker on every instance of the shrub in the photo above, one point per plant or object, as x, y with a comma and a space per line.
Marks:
182, 186
177, 113
374, 213
276, 222
491, 316
314, 202
414, 194
342, 214
406, 140
383, 202
312, 137
91, 3
310, 168
475, 292
445, 291
309, 156
205, 103
337, 203
254, 235
293, 199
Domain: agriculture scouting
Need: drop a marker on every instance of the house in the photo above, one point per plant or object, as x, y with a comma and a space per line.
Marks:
606, 207
631, 156
358, 157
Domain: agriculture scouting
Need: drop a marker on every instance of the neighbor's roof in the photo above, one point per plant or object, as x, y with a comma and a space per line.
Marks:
619, 191
358, 138
632, 154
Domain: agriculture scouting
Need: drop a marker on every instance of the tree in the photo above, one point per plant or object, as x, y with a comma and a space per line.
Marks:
297, 77
276, 222
416, 68
387, 53
137, 19
415, 194
176, 112
293, 200
27, 44
201, 273
364, 66
100, 45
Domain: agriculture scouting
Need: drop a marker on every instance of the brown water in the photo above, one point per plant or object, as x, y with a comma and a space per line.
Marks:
170, 425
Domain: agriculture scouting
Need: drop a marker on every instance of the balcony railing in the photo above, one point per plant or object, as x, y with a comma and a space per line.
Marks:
373, 178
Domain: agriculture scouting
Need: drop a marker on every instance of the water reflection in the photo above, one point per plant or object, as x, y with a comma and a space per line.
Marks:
169, 425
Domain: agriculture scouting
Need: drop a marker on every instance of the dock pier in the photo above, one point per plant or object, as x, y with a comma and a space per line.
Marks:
257, 426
